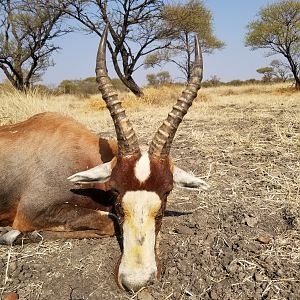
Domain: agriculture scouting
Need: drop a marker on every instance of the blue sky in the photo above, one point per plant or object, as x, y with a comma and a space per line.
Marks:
76, 59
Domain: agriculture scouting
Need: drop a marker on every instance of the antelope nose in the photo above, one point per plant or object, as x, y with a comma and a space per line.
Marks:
134, 283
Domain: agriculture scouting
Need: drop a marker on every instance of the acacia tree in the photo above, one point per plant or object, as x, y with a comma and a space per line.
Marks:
184, 20
277, 29
26, 33
135, 28
267, 73
160, 78
280, 70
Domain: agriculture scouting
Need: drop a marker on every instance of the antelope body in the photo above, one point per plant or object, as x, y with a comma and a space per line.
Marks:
117, 186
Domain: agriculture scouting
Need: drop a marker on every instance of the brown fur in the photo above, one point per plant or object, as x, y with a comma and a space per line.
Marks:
11, 296
36, 157
160, 182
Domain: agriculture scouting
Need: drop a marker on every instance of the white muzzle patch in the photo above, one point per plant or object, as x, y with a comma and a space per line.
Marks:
138, 263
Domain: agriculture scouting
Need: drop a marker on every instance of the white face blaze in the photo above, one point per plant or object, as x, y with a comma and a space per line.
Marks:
138, 263
142, 168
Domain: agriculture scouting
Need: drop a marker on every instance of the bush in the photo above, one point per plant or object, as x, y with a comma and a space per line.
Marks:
86, 87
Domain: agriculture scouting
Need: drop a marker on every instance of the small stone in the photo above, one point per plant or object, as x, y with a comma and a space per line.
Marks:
13, 266
258, 277
264, 238
241, 276
232, 268
181, 229
27, 275
279, 273
250, 221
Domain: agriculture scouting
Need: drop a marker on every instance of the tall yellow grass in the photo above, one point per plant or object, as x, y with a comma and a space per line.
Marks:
16, 106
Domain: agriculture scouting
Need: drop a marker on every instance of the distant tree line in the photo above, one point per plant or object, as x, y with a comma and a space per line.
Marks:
143, 33
85, 87
164, 78
158, 79
137, 28
215, 82
88, 86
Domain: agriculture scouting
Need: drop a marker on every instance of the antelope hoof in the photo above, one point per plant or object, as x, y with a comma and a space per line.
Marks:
9, 237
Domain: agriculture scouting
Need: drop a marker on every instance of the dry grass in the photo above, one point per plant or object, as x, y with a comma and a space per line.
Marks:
246, 143
256, 119
16, 106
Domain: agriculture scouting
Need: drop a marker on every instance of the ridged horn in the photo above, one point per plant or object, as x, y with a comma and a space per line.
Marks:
162, 140
127, 140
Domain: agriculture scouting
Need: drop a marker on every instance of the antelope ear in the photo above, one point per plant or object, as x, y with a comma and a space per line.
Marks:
184, 179
99, 174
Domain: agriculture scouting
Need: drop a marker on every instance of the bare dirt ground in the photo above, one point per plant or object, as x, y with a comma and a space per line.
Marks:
239, 240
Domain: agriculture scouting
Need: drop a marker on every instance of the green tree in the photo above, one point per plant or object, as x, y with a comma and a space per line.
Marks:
184, 20
67, 87
164, 77
152, 79
160, 78
87, 86
27, 29
267, 73
277, 29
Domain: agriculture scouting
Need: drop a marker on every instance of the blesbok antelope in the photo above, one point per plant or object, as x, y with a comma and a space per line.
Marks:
117, 186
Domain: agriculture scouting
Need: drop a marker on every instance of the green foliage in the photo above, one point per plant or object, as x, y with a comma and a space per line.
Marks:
214, 81
235, 82
264, 70
67, 87
182, 21
161, 78
152, 79
277, 29
192, 17
278, 25
267, 73
87, 86
164, 77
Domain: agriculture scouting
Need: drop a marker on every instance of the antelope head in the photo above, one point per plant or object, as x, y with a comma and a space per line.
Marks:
141, 181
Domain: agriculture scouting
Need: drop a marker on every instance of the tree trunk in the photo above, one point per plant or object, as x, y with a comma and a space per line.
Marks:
294, 71
20, 85
17, 84
188, 57
127, 79
297, 85
297, 80
131, 84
